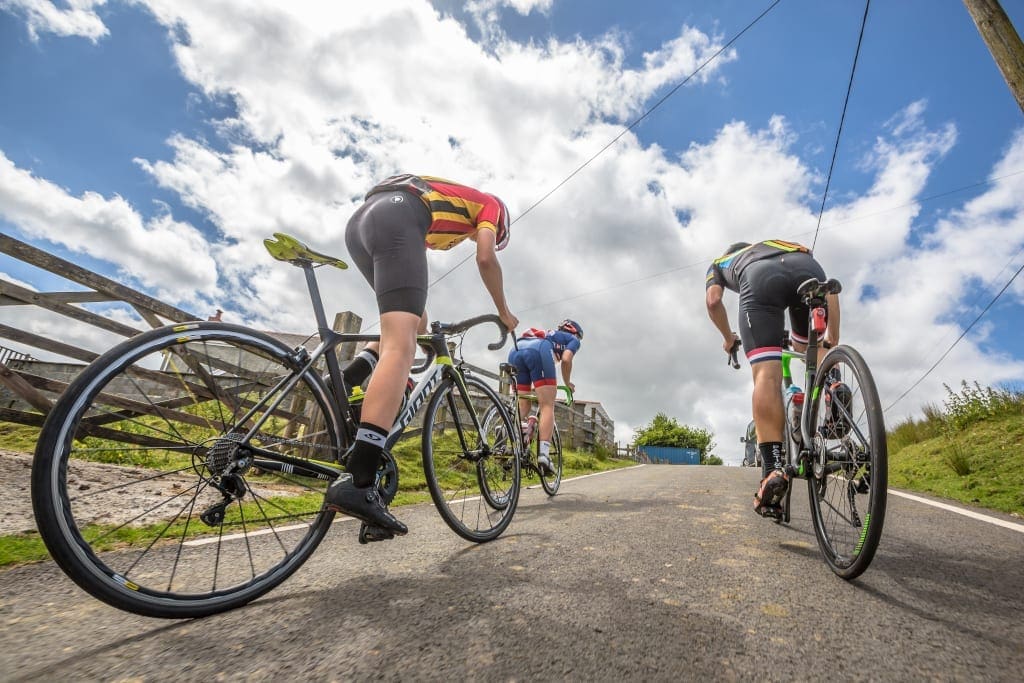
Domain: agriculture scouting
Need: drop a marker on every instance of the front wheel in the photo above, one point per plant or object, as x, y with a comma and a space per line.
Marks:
847, 489
183, 472
471, 465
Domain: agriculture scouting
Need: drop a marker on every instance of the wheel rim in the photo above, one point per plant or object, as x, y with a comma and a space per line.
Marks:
159, 498
848, 489
475, 488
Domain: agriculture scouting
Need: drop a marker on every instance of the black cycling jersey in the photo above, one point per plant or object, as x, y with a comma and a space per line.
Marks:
726, 270
766, 275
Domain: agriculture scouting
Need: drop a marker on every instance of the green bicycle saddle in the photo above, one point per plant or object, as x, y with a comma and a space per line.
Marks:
287, 248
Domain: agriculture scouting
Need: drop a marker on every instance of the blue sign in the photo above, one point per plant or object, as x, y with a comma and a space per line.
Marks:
671, 455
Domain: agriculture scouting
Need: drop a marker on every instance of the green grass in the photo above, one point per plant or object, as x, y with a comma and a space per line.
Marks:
22, 548
971, 451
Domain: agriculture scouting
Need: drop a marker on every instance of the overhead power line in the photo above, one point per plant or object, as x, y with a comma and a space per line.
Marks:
704, 262
958, 339
625, 130
842, 118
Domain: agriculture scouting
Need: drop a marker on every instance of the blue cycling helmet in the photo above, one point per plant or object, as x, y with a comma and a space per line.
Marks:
572, 327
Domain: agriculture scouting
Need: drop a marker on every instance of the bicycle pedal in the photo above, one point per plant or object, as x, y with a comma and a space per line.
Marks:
369, 533
770, 512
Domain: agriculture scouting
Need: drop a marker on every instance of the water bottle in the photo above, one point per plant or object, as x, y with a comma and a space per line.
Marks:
528, 427
796, 406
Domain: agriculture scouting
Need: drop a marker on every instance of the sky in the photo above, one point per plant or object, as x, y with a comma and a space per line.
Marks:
158, 142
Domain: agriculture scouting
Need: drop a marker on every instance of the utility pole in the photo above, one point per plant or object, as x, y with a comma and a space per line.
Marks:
1003, 42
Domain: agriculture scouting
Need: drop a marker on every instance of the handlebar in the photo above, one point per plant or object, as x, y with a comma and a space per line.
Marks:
732, 358
568, 394
465, 325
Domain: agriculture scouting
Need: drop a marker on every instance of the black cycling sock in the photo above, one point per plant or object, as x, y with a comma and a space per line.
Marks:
771, 456
365, 456
360, 368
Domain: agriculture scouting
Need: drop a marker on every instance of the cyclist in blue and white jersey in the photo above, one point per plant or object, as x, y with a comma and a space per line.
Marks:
534, 358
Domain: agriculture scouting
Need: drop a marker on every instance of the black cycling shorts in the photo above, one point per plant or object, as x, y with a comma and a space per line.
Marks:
767, 289
385, 239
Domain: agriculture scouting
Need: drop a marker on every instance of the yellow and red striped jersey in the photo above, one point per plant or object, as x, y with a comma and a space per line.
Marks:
457, 211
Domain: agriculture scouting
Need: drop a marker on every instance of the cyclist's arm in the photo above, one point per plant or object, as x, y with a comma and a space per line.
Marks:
490, 273
719, 316
832, 332
567, 357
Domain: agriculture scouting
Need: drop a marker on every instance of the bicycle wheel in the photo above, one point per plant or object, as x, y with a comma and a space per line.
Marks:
847, 489
472, 474
503, 451
177, 477
552, 481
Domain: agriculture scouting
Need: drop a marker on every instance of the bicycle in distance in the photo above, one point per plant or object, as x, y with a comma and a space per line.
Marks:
226, 440
835, 439
529, 435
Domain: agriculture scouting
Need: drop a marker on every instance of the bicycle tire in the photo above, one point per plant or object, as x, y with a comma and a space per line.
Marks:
502, 448
165, 541
551, 482
456, 464
848, 488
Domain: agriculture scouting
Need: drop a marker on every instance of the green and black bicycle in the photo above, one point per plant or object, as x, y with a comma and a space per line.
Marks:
224, 441
837, 443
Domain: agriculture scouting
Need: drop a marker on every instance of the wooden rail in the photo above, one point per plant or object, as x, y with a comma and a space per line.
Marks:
29, 387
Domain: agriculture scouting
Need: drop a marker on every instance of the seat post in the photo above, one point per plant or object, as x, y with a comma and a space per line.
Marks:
314, 296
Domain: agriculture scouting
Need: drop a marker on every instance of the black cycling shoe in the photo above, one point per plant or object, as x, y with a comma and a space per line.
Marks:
364, 504
769, 497
370, 534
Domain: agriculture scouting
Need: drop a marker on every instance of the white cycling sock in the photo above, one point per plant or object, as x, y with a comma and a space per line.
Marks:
545, 447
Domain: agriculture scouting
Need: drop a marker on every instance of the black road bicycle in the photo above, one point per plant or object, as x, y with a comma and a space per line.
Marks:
225, 440
529, 437
838, 444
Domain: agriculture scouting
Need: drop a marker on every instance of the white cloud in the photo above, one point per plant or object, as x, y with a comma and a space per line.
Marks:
331, 98
43, 16
168, 256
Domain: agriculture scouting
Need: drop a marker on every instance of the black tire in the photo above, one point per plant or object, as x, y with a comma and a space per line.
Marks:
848, 486
166, 407
472, 476
551, 482
495, 485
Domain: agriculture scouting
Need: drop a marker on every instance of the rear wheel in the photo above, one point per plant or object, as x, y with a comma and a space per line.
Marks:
151, 494
850, 459
553, 480
472, 473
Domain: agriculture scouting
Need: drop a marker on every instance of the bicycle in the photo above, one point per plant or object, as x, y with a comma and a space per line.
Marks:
227, 440
838, 444
530, 437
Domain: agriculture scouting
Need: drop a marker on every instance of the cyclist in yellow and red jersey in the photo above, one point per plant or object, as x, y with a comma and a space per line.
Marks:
766, 275
387, 238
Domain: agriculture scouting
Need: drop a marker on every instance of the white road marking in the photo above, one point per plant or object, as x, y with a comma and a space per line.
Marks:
961, 511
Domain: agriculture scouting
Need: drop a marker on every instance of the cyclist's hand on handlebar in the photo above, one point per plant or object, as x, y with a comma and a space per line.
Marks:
510, 321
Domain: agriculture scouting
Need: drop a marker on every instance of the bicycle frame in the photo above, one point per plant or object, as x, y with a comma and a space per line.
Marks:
441, 365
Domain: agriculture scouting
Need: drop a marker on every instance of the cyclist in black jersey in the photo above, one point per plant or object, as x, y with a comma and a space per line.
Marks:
766, 276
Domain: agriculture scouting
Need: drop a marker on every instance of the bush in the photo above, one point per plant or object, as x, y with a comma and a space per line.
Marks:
973, 404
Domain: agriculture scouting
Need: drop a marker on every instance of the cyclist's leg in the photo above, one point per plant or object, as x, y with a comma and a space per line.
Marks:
385, 240
763, 297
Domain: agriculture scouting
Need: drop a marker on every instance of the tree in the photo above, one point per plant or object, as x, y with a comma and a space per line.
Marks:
666, 431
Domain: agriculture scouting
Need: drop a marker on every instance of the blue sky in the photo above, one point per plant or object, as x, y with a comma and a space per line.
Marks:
157, 142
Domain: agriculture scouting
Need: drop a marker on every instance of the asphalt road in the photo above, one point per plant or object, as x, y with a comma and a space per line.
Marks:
651, 573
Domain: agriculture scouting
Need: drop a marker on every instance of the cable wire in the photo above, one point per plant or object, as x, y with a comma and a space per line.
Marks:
958, 339
630, 127
842, 118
